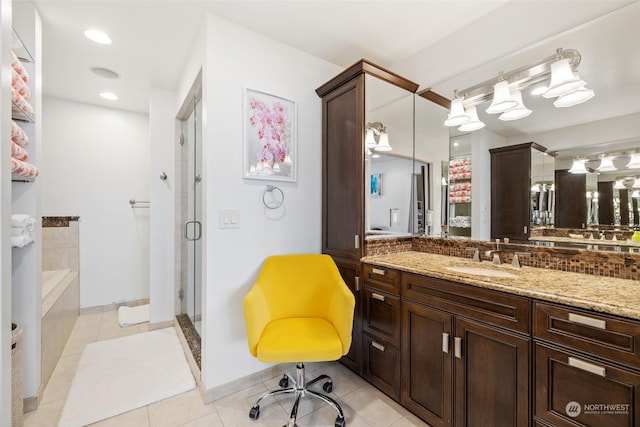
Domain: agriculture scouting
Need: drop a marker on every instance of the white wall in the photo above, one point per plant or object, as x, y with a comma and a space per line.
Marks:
94, 160
162, 254
237, 58
395, 192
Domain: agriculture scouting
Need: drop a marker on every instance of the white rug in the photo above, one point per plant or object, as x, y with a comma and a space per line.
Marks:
128, 316
119, 375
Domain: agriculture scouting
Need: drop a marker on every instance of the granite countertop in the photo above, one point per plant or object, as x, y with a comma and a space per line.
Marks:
603, 294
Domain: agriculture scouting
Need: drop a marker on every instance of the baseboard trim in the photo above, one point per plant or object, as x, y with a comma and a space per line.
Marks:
161, 325
111, 307
242, 383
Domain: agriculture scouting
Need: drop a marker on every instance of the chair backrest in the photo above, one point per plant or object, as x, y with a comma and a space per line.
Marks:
300, 285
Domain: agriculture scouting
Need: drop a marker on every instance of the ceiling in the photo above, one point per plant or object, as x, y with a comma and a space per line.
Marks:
440, 44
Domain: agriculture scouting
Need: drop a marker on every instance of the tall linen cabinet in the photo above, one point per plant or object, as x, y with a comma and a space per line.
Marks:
343, 179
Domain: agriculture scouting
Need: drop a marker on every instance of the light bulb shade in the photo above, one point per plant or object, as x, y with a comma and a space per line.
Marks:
517, 112
563, 80
535, 188
578, 96
634, 161
370, 140
502, 99
578, 166
635, 194
636, 183
457, 115
383, 143
619, 185
474, 123
606, 165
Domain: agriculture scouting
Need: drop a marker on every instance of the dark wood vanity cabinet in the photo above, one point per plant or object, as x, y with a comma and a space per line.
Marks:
587, 368
465, 354
511, 191
343, 177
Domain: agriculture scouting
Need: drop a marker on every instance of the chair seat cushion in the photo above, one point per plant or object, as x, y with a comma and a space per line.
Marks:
304, 339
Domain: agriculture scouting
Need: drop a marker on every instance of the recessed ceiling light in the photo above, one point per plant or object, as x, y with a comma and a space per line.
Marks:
108, 95
105, 72
98, 36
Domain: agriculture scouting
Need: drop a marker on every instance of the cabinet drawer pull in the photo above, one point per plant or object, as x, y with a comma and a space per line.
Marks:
457, 351
357, 283
377, 296
356, 241
445, 342
379, 271
586, 366
588, 321
378, 346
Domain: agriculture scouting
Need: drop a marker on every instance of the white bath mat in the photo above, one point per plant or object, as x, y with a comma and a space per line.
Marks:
119, 375
128, 316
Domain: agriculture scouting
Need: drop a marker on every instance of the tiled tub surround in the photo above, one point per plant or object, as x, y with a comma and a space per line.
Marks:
60, 288
620, 265
602, 294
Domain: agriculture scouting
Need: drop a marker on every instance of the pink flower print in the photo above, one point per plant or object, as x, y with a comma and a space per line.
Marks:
270, 125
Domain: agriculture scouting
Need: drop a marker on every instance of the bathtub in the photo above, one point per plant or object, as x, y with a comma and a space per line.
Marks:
60, 310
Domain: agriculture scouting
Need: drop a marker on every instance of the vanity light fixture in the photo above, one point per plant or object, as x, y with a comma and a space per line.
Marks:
634, 161
578, 166
636, 182
635, 194
474, 123
553, 76
377, 129
619, 185
606, 164
563, 80
517, 112
457, 115
502, 98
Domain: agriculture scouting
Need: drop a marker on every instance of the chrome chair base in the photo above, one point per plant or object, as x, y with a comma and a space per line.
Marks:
299, 387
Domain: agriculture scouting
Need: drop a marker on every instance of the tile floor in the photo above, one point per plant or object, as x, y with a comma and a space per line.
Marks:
362, 403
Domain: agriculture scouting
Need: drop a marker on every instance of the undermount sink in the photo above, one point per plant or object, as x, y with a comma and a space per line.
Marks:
482, 272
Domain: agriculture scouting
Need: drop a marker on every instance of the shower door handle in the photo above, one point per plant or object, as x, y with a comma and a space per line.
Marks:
199, 229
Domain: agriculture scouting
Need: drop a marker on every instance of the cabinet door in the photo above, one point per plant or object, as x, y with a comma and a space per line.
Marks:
510, 192
571, 205
491, 376
427, 358
351, 274
343, 174
574, 390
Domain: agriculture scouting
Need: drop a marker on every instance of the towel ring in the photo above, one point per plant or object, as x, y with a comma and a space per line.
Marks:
277, 204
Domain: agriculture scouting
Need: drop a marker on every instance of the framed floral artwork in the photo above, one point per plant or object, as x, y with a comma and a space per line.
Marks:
270, 150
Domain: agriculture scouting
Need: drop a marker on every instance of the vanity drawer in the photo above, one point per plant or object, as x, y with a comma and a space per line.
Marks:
493, 307
381, 315
610, 337
382, 278
381, 365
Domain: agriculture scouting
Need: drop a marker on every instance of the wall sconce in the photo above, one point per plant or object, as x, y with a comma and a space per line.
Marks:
606, 164
376, 137
505, 94
578, 166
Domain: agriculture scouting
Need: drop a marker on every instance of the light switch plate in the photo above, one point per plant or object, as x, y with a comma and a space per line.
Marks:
229, 218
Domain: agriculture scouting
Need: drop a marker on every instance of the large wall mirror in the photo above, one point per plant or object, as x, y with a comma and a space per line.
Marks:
406, 144
609, 122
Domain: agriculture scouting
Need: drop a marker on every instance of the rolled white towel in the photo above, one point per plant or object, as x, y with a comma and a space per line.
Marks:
19, 220
28, 230
20, 241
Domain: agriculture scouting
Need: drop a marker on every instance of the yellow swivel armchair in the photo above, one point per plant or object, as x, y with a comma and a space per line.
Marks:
299, 310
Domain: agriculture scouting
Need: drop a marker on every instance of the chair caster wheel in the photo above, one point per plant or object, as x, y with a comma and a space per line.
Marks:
327, 387
284, 382
254, 413
340, 422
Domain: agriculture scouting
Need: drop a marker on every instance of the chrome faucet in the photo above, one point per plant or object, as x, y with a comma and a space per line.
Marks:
494, 255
